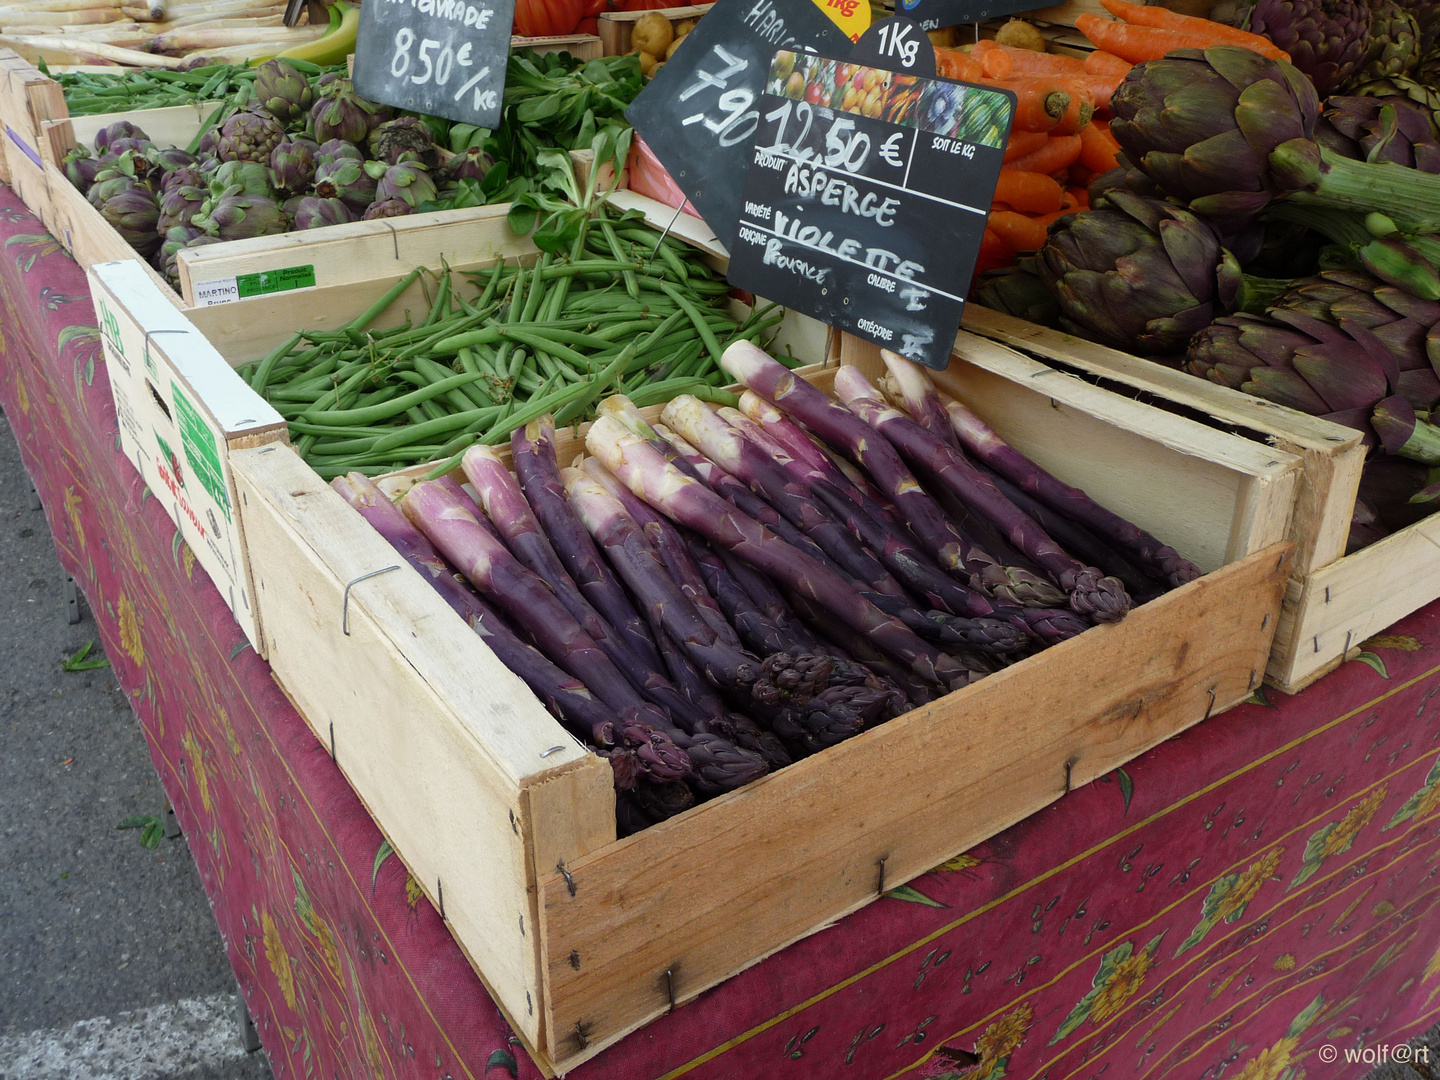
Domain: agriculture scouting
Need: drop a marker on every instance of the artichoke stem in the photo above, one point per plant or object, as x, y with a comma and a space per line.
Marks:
1256, 293
1423, 445
1339, 226
1411, 198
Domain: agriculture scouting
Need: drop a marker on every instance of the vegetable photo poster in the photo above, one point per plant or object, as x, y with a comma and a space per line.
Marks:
442, 57
868, 190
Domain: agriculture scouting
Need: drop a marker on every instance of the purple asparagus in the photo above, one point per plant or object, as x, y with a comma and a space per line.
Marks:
532, 450
447, 518
688, 502
756, 631
915, 388
1146, 550
1091, 593
946, 543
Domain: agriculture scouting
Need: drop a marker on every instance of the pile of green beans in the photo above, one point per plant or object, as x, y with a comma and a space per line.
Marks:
625, 311
91, 93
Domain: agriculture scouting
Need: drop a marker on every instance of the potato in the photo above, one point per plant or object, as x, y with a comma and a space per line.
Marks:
683, 27
673, 46
648, 63
943, 38
652, 34
1019, 34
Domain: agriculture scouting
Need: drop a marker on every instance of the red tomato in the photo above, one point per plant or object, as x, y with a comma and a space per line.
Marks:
593, 9
548, 18
589, 25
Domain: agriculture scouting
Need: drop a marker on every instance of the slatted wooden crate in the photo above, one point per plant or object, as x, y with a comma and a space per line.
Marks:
508, 823
615, 26
27, 100
1334, 601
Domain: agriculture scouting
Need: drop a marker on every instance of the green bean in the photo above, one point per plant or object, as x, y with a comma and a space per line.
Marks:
442, 426
332, 396
370, 314
374, 413
688, 306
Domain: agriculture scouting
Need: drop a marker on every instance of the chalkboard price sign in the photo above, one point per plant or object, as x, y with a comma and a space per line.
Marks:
699, 112
933, 14
867, 195
441, 57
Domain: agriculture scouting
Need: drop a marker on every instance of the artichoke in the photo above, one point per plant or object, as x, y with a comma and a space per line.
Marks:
1228, 131
1136, 271
313, 212
1381, 129
237, 215
191, 176
471, 164
348, 180
121, 129
282, 90
142, 147
80, 168
114, 176
169, 159
172, 240
340, 113
1394, 45
249, 135
403, 135
134, 214
1019, 291
408, 181
1326, 39
388, 208
337, 150
179, 204
252, 177
292, 164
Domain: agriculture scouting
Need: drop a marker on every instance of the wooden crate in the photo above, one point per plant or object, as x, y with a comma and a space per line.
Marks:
508, 825
1334, 601
27, 100
615, 26
580, 46
182, 411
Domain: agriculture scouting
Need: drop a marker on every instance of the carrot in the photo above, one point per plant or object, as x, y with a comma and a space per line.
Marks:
1030, 193
1101, 62
953, 64
995, 252
1161, 18
1071, 201
1024, 142
1060, 152
1140, 43
997, 63
1098, 149
1029, 62
1100, 87
1041, 101
1081, 108
1021, 233
1079, 177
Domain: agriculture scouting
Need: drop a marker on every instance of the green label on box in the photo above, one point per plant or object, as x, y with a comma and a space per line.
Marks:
200, 452
273, 281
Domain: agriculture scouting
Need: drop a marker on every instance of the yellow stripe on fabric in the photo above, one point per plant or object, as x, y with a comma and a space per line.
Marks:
1018, 890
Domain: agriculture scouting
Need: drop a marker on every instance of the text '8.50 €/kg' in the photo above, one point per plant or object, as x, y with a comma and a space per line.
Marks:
866, 197
442, 57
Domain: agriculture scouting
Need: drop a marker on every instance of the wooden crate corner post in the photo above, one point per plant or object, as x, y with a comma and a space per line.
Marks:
28, 99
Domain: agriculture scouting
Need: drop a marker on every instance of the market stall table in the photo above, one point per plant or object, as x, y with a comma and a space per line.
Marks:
1244, 900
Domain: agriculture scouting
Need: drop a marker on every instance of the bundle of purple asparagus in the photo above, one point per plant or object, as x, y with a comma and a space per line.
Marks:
703, 600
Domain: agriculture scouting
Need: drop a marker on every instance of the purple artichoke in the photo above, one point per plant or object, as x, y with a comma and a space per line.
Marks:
249, 135
134, 214
1394, 45
348, 180
337, 150
388, 208
403, 135
340, 113
142, 147
1381, 129
80, 168
408, 181
1326, 39
172, 240
471, 164
282, 90
169, 159
114, 176
191, 176
313, 212
121, 129
236, 215
251, 176
292, 164
179, 205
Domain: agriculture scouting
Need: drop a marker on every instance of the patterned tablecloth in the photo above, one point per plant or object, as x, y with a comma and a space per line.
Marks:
1247, 900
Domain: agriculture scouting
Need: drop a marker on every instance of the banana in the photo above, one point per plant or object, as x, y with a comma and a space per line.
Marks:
335, 45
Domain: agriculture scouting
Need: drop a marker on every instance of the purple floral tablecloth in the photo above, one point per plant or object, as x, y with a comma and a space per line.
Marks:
1254, 900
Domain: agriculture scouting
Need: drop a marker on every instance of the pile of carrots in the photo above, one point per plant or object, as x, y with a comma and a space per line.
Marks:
1060, 139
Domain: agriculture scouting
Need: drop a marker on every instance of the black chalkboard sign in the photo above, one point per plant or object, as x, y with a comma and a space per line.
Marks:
933, 14
699, 113
867, 195
441, 57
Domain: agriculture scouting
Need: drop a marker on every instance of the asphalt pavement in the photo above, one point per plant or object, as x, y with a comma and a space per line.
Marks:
111, 963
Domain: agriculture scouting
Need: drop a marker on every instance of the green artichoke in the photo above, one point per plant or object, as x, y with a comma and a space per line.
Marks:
116, 175
249, 135
251, 176
1137, 272
1228, 132
1326, 39
134, 214
1394, 45
236, 215
282, 90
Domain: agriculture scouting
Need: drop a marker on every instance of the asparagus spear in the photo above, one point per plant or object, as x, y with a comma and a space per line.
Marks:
532, 450
756, 631
772, 605
1091, 593
947, 544
918, 392
688, 502
448, 520
981, 440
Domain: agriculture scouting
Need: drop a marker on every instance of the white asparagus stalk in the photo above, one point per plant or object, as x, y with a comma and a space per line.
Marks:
208, 22
91, 16
32, 6
224, 7
80, 47
188, 38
